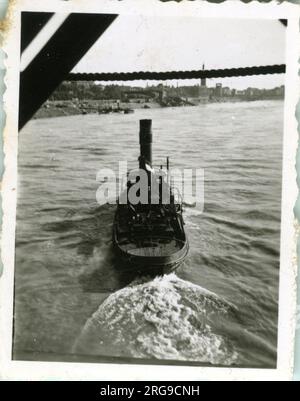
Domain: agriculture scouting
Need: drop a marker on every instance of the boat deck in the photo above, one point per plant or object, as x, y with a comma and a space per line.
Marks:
152, 247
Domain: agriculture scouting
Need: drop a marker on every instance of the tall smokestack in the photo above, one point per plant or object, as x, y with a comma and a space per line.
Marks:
145, 142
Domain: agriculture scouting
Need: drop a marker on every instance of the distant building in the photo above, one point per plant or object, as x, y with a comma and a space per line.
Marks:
252, 93
226, 91
203, 80
203, 94
280, 91
203, 90
219, 90
136, 96
240, 93
161, 92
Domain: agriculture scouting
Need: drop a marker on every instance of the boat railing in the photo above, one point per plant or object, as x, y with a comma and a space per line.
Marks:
160, 170
177, 195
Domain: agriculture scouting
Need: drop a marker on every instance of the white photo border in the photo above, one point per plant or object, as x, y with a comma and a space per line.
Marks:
21, 370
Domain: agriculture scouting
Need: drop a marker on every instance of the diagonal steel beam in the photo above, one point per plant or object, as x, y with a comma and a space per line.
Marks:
57, 59
32, 23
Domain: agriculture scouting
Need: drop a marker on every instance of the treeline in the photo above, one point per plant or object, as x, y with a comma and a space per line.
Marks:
90, 90
86, 90
185, 91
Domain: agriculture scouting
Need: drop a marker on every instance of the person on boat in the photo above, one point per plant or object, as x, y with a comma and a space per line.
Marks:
145, 165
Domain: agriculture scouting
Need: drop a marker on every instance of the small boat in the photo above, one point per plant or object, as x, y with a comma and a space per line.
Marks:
128, 111
105, 110
148, 234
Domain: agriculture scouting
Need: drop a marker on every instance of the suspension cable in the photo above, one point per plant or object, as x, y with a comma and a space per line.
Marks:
169, 75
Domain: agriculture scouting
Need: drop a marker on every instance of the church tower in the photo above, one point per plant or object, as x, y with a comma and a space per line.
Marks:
203, 80
203, 90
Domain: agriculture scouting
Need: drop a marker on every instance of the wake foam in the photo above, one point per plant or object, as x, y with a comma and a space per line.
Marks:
166, 318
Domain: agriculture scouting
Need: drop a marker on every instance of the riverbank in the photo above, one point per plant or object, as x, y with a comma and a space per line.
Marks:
59, 108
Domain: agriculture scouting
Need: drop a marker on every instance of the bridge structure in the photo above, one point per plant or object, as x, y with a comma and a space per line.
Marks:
49, 59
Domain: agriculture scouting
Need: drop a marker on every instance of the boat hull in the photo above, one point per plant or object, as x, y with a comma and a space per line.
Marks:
148, 234
150, 265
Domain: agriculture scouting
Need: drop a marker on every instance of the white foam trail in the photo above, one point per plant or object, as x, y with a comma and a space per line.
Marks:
192, 212
166, 318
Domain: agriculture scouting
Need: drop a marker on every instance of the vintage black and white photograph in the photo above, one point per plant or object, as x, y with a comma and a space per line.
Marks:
149, 189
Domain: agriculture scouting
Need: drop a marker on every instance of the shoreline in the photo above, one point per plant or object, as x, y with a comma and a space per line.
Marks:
61, 108
65, 108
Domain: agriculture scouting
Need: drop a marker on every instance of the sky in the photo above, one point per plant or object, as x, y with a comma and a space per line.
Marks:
140, 43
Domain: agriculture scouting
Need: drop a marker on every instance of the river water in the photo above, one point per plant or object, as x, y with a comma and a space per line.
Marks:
219, 308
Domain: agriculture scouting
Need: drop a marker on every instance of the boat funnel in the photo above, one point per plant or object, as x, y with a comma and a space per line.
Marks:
145, 143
